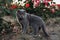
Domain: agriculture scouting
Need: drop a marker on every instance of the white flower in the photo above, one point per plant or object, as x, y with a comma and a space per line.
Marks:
21, 3
15, 1
23, 0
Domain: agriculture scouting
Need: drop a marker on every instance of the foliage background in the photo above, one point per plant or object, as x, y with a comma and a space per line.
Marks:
41, 11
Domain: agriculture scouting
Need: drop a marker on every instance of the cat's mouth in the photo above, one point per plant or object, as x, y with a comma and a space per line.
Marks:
20, 18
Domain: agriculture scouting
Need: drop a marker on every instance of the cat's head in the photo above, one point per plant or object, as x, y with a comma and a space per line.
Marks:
21, 13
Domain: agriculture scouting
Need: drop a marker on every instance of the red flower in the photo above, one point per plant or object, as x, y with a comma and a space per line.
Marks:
58, 5
27, 5
46, 3
13, 7
49, 0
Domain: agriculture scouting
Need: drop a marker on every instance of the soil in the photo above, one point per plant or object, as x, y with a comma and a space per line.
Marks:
53, 29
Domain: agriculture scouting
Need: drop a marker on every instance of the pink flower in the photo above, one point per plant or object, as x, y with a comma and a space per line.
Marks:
53, 10
36, 3
52, 4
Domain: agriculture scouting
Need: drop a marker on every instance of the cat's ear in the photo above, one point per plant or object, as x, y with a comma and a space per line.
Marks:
21, 11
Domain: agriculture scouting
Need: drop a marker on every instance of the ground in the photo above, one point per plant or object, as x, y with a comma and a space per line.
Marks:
53, 29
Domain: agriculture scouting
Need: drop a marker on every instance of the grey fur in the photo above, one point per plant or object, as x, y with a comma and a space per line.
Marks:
27, 19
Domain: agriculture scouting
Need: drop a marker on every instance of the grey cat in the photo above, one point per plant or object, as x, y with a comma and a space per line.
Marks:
26, 19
